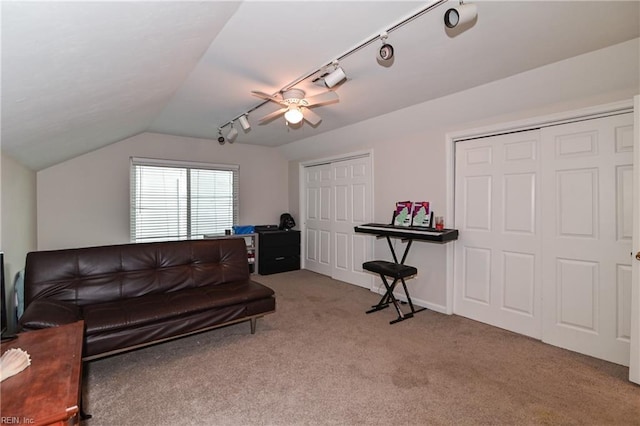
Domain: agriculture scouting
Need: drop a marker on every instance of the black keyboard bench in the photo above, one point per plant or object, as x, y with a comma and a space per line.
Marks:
398, 272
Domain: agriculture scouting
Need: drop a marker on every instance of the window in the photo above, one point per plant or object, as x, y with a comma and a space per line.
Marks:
178, 201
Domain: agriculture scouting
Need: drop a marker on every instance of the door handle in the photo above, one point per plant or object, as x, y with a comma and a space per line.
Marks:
638, 255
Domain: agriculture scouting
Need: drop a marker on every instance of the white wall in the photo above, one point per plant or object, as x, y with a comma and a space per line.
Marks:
85, 201
18, 200
410, 145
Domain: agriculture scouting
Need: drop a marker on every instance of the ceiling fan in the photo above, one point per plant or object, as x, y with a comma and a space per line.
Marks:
296, 106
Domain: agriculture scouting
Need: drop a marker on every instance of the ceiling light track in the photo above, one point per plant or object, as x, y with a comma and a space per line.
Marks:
335, 63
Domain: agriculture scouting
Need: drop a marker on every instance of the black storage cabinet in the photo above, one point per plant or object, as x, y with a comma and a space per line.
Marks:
278, 251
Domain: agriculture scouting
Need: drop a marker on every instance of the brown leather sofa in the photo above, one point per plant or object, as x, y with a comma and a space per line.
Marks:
133, 295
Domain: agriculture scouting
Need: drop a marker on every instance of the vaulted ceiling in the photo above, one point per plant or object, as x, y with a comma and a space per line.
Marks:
77, 76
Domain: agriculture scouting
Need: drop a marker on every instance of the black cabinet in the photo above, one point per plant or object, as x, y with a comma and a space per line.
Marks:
278, 251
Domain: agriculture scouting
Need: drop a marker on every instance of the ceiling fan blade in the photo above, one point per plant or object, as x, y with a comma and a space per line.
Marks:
273, 115
322, 98
313, 118
265, 96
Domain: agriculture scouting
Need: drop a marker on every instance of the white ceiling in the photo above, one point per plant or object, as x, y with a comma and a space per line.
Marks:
77, 76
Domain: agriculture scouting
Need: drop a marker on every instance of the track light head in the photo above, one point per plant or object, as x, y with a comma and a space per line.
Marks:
335, 77
244, 122
232, 135
221, 139
461, 14
386, 50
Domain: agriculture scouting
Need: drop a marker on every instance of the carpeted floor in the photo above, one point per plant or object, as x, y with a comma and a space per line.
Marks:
319, 360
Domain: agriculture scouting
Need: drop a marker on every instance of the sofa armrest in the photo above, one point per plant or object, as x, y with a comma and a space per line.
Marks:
43, 313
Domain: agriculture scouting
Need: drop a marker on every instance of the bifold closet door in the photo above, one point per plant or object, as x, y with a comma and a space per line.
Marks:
318, 220
338, 196
587, 188
352, 206
497, 256
546, 222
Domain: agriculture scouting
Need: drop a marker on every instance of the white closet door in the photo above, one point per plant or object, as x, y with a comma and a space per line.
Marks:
318, 220
545, 240
497, 256
587, 188
338, 196
352, 207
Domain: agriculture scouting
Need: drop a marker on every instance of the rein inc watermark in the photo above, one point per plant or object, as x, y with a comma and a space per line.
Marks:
17, 420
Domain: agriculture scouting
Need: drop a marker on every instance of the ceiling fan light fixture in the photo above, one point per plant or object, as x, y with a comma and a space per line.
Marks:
460, 15
293, 115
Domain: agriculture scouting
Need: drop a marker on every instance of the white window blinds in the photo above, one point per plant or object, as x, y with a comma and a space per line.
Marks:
177, 200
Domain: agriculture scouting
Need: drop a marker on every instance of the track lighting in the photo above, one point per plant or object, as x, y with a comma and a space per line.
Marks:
386, 51
331, 74
221, 140
232, 135
244, 122
293, 115
461, 14
334, 77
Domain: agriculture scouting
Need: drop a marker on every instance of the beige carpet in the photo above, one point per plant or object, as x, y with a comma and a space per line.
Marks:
319, 360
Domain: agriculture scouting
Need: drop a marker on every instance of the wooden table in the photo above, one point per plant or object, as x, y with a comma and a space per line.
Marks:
47, 392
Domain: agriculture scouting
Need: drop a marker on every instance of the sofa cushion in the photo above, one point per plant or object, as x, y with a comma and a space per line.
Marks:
46, 313
150, 308
113, 341
90, 275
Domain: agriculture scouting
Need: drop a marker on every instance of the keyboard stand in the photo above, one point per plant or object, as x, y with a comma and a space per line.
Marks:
397, 269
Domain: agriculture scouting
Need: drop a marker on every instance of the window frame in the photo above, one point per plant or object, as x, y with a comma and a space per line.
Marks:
185, 165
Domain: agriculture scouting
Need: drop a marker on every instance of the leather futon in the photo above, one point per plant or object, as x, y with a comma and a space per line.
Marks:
133, 295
